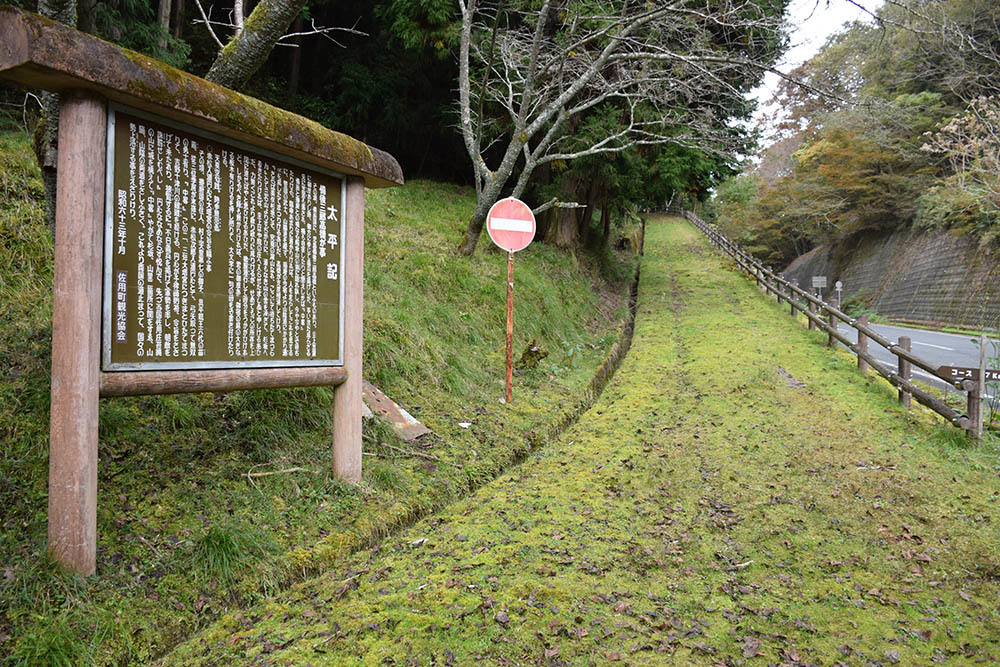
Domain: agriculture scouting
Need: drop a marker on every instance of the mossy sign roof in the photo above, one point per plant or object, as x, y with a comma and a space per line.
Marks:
42, 53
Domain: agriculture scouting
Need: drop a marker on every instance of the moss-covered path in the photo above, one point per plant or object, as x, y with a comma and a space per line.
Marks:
738, 495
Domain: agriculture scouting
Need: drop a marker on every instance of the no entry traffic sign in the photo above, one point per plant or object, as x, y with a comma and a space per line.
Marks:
511, 224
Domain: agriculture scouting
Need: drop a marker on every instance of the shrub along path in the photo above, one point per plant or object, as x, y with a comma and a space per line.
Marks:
739, 494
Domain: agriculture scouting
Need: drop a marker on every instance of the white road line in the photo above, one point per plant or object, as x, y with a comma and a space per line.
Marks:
915, 371
949, 349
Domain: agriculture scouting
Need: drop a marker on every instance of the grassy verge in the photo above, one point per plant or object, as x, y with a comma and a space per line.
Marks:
184, 533
738, 495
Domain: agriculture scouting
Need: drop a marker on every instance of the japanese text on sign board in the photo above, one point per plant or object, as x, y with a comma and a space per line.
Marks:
217, 257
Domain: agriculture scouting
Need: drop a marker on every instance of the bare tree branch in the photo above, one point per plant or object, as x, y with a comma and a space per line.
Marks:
209, 24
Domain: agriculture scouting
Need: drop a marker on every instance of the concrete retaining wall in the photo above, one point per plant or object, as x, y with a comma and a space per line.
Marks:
937, 278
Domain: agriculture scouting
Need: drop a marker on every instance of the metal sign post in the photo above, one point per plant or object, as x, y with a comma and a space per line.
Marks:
511, 225
510, 327
839, 286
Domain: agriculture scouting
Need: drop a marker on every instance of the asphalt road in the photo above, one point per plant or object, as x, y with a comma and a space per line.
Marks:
939, 348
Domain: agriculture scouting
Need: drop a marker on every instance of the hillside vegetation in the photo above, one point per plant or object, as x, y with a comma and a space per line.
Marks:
184, 532
738, 495
898, 129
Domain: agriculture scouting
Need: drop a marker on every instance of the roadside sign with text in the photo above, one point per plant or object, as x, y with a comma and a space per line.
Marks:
819, 282
511, 224
961, 373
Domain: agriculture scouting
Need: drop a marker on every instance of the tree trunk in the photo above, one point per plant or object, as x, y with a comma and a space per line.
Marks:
163, 19
177, 21
605, 217
586, 215
564, 227
114, 30
245, 53
87, 16
476, 224
46, 134
295, 69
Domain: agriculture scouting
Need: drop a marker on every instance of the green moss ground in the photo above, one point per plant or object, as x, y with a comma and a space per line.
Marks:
184, 534
739, 495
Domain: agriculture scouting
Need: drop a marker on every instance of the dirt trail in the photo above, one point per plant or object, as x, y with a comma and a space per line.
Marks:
739, 495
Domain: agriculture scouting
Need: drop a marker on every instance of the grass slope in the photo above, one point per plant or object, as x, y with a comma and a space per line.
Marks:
184, 533
739, 495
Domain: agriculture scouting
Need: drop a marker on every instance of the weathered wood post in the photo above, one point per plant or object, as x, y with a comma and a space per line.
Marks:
974, 407
862, 344
831, 321
347, 396
903, 371
977, 390
76, 333
812, 309
793, 297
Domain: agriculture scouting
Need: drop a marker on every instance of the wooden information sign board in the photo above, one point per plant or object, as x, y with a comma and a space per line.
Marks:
216, 255
205, 241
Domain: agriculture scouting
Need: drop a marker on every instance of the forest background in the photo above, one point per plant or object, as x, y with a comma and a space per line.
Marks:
584, 109
897, 129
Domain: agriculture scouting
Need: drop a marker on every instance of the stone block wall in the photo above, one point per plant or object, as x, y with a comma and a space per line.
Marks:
934, 278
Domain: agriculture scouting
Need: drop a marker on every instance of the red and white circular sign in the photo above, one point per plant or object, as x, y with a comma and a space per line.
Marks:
511, 224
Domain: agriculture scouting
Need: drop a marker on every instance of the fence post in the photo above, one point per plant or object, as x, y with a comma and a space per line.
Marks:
862, 344
812, 309
904, 371
793, 297
974, 410
977, 389
831, 319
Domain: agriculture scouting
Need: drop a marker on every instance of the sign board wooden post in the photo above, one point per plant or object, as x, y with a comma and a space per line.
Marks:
347, 395
511, 225
205, 241
76, 327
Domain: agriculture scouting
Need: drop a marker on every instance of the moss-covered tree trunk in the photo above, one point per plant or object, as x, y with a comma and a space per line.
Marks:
247, 51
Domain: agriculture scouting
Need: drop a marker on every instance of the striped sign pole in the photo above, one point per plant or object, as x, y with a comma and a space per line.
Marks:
511, 225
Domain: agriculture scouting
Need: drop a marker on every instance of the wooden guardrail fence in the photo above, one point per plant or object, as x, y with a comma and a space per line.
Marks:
814, 308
